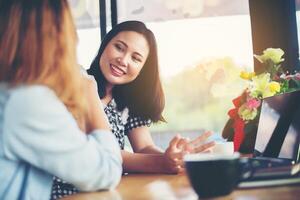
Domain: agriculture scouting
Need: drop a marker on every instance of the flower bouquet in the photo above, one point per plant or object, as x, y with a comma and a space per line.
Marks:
242, 125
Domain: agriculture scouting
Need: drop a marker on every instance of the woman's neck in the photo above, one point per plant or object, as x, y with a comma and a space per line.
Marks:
108, 94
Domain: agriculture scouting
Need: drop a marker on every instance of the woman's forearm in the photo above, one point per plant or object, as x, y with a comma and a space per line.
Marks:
151, 149
144, 163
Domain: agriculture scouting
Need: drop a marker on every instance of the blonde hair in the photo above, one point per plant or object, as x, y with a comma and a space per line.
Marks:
38, 46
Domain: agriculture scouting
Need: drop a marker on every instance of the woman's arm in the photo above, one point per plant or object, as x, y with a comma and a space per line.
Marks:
145, 163
168, 162
148, 158
48, 137
142, 142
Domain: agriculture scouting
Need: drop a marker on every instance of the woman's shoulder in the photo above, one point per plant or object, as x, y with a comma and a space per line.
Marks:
32, 94
31, 99
30, 90
29, 93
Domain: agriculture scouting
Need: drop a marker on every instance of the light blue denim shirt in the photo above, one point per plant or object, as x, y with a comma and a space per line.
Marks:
40, 138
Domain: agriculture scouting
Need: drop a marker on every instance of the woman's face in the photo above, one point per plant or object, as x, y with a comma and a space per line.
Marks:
123, 57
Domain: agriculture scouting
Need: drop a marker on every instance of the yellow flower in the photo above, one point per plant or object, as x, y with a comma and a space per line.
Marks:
259, 85
263, 87
273, 54
247, 75
274, 87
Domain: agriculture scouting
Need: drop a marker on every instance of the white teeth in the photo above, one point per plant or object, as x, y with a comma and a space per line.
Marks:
115, 68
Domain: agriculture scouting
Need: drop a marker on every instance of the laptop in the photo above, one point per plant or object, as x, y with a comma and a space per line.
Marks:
276, 149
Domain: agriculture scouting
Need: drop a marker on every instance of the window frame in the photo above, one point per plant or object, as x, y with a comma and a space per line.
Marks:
273, 24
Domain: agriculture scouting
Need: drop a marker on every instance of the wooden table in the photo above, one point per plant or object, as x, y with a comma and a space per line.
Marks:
172, 187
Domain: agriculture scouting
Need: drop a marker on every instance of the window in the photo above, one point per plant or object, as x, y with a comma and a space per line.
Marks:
203, 46
86, 16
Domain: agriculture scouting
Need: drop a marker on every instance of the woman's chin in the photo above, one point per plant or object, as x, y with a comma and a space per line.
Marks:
116, 80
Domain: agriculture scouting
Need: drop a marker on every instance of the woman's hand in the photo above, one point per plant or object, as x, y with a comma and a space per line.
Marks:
198, 145
173, 155
180, 146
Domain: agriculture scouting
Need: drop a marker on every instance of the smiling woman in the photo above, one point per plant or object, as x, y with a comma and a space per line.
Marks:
121, 62
202, 47
126, 70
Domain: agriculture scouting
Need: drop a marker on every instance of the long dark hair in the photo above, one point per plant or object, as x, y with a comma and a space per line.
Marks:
143, 96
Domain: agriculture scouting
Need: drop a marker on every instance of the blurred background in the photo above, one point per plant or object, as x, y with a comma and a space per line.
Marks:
203, 45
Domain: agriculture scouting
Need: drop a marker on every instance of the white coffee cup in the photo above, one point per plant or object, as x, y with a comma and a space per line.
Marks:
224, 148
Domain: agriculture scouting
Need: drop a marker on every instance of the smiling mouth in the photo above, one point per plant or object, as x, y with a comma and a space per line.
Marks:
116, 71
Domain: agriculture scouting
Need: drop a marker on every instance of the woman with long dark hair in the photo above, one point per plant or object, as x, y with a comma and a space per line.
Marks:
127, 73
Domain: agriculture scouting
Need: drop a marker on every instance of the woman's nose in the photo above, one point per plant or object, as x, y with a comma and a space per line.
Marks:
123, 60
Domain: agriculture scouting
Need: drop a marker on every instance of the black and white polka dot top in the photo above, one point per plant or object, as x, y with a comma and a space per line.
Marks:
121, 124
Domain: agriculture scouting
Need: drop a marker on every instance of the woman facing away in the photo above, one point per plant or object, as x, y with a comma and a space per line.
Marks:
127, 73
42, 100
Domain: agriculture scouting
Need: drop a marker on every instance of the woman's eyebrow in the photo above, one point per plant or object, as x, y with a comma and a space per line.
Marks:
127, 47
122, 42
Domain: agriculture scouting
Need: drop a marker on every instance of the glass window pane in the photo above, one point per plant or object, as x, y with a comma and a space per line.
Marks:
178, 9
203, 45
86, 16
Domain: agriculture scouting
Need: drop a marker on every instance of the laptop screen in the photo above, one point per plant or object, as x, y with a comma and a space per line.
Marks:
279, 127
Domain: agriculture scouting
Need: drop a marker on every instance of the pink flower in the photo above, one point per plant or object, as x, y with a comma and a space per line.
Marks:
289, 77
253, 103
297, 76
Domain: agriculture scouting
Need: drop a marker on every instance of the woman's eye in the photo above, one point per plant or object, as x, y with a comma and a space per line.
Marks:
119, 47
136, 59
